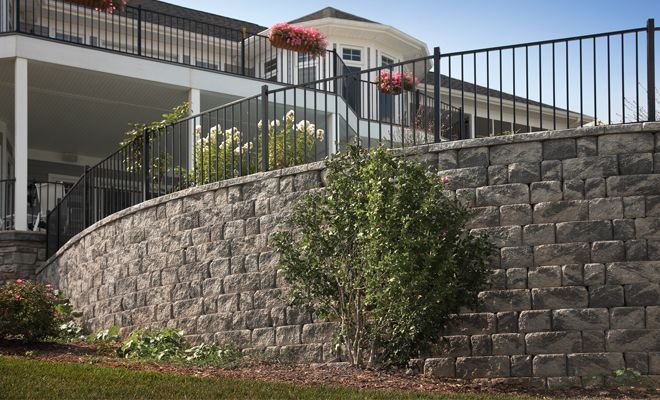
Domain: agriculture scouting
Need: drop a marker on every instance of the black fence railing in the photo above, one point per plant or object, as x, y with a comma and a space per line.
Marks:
395, 105
164, 37
42, 197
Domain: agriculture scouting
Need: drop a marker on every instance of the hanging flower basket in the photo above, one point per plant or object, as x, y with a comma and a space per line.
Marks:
395, 83
298, 38
109, 6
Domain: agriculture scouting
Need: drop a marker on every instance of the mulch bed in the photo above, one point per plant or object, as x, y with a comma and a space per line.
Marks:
328, 374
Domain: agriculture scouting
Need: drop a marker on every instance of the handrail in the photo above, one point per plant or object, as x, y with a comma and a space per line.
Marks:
304, 122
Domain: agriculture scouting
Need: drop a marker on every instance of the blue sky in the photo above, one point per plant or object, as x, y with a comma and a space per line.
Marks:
460, 24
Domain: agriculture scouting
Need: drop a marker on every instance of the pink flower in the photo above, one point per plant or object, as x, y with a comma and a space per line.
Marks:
17, 296
19, 281
446, 179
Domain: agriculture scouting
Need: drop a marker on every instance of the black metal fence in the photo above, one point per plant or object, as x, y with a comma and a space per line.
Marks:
443, 97
165, 37
42, 197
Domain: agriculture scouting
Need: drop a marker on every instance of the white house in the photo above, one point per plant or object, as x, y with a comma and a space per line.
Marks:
73, 78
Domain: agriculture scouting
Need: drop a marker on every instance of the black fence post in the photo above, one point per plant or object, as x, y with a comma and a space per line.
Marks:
264, 128
334, 67
243, 35
18, 15
86, 210
139, 30
650, 67
436, 95
145, 165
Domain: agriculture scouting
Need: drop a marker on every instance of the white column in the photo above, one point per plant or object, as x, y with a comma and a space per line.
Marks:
21, 143
195, 99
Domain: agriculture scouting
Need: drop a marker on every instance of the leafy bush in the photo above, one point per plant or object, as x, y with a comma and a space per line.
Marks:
30, 311
212, 354
160, 344
383, 252
105, 340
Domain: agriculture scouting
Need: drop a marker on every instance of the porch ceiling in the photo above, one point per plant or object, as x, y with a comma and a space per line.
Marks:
86, 112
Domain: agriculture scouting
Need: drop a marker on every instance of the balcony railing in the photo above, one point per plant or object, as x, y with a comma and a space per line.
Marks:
164, 37
298, 124
43, 196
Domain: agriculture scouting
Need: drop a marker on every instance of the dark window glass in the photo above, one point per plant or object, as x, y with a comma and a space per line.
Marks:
351, 54
482, 127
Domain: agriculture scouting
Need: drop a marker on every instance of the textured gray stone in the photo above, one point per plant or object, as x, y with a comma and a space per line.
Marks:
653, 317
287, 335
580, 319
564, 253
507, 322
538, 234
594, 274
544, 276
506, 300
545, 191
471, 177
624, 143
498, 195
587, 146
516, 257
483, 367
472, 324
627, 318
440, 367
593, 341
595, 363
560, 297
508, 344
620, 273
633, 185
574, 189
502, 236
481, 345
551, 170
623, 229
534, 321
517, 152
524, 172
594, 188
561, 211
635, 250
589, 167
447, 159
634, 207
559, 149
498, 175
647, 228
516, 214
632, 164
572, 275
521, 365
639, 361
642, 294
606, 296
605, 208
484, 217
553, 342
610, 250
652, 206
584, 231
453, 346
473, 157
516, 278
624, 340
549, 365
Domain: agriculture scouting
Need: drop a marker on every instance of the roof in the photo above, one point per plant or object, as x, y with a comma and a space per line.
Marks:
457, 84
202, 22
331, 12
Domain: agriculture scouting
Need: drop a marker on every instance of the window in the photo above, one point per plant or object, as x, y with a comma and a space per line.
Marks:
303, 57
270, 67
384, 60
351, 54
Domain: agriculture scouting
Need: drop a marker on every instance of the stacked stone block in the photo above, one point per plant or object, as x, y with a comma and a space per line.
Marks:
21, 254
574, 291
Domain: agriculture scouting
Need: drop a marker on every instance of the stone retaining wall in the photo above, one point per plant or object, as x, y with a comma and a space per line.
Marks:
575, 290
21, 253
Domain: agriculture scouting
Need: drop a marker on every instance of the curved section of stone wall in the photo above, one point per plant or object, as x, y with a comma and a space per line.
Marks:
575, 289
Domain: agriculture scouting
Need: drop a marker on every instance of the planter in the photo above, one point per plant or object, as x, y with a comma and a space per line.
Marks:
106, 5
280, 42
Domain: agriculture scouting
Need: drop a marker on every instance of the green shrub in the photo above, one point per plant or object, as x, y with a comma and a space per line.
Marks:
384, 253
212, 354
159, 344
30, 311
105, 340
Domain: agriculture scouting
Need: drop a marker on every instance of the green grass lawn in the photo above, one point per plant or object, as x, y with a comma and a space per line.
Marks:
31, 379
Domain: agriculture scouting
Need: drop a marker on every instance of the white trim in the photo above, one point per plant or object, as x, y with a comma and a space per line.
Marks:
352, 63
62, 178
21, 143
